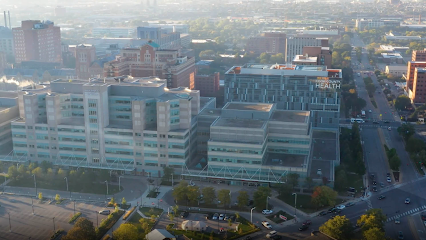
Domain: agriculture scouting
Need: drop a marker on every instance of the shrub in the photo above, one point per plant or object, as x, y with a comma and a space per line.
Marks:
107, 223
57, 233
74, 217
128, 213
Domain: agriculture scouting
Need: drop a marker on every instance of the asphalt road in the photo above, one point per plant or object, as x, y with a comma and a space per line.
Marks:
25, 225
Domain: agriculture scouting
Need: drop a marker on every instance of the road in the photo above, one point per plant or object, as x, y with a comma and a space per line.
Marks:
410, 185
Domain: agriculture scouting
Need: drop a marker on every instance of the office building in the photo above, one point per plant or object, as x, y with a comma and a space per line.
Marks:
167, 40
314, 56
269, 42
8, 113
256, 144
85, 55
418, 94
150, 60
207, 84
124, 124
6, 41
363, 23
412, 65
396, 70
37, 41
113, 32
295, 45
170, 27
306, 88
3, 62
419, 55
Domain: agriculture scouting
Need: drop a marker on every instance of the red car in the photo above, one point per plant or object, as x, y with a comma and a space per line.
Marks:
307, 222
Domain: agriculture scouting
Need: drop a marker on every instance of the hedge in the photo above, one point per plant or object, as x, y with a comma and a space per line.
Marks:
107, 223
74, 217
128, 213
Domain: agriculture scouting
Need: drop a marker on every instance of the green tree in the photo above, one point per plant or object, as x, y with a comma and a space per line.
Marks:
46, 165
373, 218
339, 228
293, 179
57, 198
112, 201
243, 199
406, 131
394, 163
180, 191
123, 201
402, 102
167, 173
126, 231
61, 173
209, 195
32, 166
38, 172
50, 175
193, 193
83, 229
12, 172
260, 196
341, 181
309, 182
22, 171
223, 195
414, 145
324, 196
374, 234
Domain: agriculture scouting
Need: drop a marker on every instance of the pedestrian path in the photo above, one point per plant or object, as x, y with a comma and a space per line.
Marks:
409, 212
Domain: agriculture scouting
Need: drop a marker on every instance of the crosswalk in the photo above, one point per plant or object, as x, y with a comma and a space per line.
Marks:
368, 126
370, 206
409, 212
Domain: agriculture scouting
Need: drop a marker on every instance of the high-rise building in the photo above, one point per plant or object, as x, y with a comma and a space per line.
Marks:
207, 84
167, 40
85, 55
418, 94
37, 41
296, 44
412, 65
149, 60
314, 56
269, 42
6, 41
122, 124
306, 88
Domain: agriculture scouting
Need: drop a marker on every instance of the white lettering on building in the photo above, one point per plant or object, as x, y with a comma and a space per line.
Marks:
334, 84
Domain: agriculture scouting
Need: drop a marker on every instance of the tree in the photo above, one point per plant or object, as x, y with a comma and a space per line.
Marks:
193, 193
46, 165
324, 196
22, 171
341, 180
406, 131
179, 192
167, 173
285, 188
209, 195
83, 229
223, 195
50, 175
339, 228
126, 231
374, 234
243, 199
394, 163
32, 166
57, 198
123, 201
61, 173
293, 179
40, 196
12, 172
402, 102
309, 182
260, 196
38, 172
373, 218
112, 202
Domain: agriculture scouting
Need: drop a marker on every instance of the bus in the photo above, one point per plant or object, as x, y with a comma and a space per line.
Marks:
358, 120
363, 114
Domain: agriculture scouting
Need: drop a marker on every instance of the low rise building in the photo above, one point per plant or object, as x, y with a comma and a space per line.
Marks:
392, 58
396, 70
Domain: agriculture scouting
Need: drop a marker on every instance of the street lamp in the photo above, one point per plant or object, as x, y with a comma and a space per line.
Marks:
54, 227
35, 184
295, 201
66, 180
106, 185
119, 183
172, 182
32, 205
251, 214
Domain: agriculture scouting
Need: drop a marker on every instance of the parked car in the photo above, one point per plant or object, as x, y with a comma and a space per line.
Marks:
105, 212
221, 217
226, 217
271, 234
341, 207
389, 180
381, 197
407, 200
184, 214
331, 210
267, 225
266, 211
303, 227
215, 216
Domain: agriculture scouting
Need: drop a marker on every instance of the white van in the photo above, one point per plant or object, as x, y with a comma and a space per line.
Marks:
358, 120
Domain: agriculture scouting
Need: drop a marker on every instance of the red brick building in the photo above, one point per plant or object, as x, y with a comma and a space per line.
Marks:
323, 54
412, 65
419, 55
37, 41
149, 60
419, 86
85, 55
270, 42
207, 84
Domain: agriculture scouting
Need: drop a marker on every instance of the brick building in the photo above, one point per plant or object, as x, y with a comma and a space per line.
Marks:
269, 42
207, 84
37, 41
150, 60
419, 86
85, 56
419, 55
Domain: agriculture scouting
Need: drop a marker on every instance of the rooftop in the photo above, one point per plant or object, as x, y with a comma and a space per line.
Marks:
264, 107
285, 70
304, 59
286, 160
291, 116
239, 123
391, 55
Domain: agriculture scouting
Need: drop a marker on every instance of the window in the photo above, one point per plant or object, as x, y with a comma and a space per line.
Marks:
96, 160
93, 120
92, 113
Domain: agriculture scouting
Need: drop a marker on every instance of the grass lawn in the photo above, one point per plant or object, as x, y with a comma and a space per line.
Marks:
148, 211
303, 202
276, 217
96, 188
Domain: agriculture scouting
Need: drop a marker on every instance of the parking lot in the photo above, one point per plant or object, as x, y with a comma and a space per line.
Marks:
23, 224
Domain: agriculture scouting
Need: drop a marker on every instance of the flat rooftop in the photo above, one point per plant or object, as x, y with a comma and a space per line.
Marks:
239, 123
264, 107
324, 145
291, 116
285, 160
